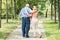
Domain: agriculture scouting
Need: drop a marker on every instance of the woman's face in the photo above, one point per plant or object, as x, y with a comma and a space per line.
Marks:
35, 8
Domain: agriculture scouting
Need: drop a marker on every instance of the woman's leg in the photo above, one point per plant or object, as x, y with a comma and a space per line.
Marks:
36, 25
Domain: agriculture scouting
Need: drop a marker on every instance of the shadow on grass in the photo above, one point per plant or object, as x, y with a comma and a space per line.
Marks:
6, 31
48, 34
52, 22
11, 23
58, 28
3, 35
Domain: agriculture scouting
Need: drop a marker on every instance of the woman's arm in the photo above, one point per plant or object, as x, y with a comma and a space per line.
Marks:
37, 14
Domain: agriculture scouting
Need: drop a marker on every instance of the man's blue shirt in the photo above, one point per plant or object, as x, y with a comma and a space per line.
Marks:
25, 10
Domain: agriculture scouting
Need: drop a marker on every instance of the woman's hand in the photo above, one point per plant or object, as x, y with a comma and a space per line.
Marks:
30, 15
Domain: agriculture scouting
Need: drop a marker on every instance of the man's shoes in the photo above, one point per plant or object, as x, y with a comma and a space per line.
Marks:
24, 36
27, 36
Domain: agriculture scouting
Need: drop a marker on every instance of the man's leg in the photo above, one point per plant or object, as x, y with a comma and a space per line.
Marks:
23, 27
27, 26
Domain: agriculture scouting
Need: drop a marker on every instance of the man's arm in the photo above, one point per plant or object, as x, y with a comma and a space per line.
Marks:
27, 14
20, 14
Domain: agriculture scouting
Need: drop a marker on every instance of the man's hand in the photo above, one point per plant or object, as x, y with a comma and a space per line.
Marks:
26, 14
30, 15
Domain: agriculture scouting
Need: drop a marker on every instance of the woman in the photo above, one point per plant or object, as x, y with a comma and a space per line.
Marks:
34, 20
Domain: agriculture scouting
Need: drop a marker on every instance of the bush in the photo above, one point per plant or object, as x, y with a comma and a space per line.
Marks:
41, 14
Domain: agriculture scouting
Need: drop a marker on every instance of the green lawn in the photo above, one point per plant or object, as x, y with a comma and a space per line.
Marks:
52, 31
7, 28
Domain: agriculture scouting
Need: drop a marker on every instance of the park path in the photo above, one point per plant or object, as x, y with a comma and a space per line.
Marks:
17, 33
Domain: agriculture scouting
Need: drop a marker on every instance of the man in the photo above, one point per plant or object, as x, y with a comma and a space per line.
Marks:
24, 13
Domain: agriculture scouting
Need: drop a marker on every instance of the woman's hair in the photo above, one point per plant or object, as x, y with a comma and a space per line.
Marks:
34, 8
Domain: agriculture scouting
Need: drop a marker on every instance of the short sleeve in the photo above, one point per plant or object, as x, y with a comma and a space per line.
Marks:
25, 11
20, 13
29, 11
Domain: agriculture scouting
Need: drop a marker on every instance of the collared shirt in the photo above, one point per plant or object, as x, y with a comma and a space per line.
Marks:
25, 10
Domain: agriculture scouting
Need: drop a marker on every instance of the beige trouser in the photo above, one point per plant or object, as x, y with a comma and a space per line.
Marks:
34, 25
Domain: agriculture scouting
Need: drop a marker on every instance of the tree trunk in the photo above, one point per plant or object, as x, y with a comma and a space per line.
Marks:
14, 9
51, 9
59, 13
55, 9
11, 11
0, 11
6, 11
46, 13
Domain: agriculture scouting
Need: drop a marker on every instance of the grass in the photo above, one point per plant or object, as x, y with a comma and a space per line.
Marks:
52, 31
7, 28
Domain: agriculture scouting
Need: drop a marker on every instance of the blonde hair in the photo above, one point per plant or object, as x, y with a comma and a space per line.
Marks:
34, 8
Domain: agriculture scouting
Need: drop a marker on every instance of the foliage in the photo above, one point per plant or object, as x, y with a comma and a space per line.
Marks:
20, 4
7, 28
52, 31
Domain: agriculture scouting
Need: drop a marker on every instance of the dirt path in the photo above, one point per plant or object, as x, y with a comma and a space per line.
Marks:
17, 33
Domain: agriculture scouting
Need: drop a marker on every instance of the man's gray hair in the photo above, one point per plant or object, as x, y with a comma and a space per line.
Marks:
27, 5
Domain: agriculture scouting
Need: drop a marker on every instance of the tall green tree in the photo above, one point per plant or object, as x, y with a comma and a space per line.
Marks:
46, 12
55, 10
14, 9
20, 4
59, 13
51, 9
7, 11
0, 11
11, 9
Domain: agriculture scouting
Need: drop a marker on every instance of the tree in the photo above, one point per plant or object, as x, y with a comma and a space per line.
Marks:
6, 11
14, 9
11, 9
55, 10
46, 12
51, 9
21, 4
59, 13
0, 11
